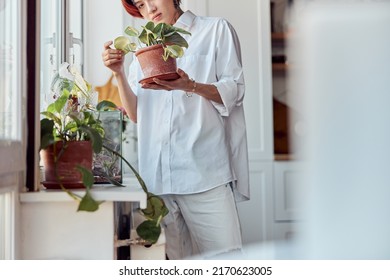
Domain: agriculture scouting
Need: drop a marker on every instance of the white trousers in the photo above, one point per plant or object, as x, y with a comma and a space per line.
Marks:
204, 224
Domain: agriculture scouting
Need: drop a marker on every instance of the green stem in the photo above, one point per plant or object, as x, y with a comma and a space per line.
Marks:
141, 182
56, 159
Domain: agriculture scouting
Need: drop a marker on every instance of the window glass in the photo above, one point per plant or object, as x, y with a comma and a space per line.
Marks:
50, 46
61, 40
10, 85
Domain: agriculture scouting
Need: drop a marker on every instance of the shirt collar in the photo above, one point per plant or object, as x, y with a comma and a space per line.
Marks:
185, 20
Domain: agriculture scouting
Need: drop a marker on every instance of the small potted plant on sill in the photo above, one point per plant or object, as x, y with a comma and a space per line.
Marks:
157, 48
71, 132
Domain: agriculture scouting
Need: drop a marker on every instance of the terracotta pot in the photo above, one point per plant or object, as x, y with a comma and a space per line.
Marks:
75, 153
154, 66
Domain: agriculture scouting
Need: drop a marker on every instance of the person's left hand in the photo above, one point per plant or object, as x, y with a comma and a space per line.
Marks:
182, 83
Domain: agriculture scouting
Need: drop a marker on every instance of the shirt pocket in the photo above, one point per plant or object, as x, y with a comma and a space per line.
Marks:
199, 67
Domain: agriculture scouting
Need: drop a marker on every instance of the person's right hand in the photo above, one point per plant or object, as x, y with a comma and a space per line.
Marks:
113, 58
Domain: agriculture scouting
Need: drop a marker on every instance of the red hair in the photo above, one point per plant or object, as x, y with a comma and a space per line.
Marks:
131, 9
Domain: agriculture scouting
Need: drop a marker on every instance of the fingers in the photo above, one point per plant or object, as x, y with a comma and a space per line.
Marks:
156, 85
107, 45
182, 74
111, 56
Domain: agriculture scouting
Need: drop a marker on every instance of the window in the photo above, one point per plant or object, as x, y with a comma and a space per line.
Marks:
61, 40
12, 116
10, 70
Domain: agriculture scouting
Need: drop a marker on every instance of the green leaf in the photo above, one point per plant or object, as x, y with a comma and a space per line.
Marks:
121, 43
105, 105
88, 179
88, 203
182, 31
131, 31
147, 38
95, 137
47, 127
176, 39
149, 231
143, 37
132, 47
59, 104
159, 29
155, 208
174, 51
149, 26
51, 116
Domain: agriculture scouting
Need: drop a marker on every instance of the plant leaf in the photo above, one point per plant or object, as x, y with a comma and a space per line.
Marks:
175, 51
155, 207
122, 43
131, 31
51, 116
88, 179
149, 231
47, 137
59, 104
176, 39
88, 203
95, 137
105, 105
182, 31
149, 26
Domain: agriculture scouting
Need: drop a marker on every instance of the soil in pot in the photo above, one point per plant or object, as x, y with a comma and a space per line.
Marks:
154, 66
75, 153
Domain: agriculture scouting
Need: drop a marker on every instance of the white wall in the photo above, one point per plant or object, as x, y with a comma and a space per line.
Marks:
103, 21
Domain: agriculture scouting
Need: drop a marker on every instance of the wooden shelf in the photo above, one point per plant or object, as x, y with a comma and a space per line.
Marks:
279, 67
283, 157
278, 36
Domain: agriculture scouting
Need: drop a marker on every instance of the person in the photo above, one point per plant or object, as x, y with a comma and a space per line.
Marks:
191, 131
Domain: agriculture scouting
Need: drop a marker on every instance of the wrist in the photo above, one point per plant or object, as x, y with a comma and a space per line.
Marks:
192, 88
193, 85
117, 73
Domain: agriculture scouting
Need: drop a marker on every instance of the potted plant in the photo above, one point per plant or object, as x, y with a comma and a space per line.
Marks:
157, 47
71, 132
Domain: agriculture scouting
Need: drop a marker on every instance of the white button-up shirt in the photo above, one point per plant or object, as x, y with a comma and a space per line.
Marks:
191, 144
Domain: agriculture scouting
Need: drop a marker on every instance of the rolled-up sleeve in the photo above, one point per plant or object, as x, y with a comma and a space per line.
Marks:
229, 72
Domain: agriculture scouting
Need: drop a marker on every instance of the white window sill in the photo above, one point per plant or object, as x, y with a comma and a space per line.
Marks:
132, 192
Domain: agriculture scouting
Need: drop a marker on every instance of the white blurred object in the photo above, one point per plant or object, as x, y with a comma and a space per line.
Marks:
342, 79
154, 252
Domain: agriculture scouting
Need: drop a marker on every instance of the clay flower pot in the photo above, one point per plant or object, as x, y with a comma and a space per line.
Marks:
76, 153
154, 66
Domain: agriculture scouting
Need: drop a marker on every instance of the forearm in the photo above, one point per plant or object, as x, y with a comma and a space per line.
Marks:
128, 98
207, 91
188, 85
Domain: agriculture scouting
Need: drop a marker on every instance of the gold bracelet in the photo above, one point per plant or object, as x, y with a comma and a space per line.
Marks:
189, 94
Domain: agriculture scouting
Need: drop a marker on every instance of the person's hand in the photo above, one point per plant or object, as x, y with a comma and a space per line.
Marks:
182, 83
113, 58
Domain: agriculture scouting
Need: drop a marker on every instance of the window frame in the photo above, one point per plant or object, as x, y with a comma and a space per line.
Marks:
33, 88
